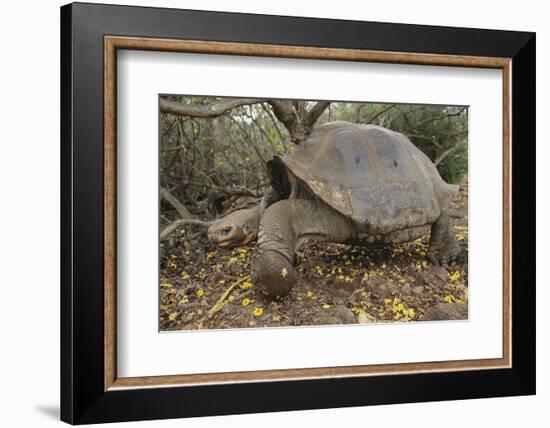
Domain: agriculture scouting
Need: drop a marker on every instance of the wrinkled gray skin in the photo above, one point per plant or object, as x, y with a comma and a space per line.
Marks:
237, 229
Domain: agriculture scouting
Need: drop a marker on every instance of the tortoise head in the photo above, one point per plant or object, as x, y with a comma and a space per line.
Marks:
237, 229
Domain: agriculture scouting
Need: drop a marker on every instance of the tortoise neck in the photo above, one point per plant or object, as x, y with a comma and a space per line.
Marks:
287, 224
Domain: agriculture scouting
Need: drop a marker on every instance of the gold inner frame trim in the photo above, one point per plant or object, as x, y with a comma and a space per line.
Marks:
113, 43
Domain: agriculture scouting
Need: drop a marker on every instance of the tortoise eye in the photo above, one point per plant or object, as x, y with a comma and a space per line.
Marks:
226, 230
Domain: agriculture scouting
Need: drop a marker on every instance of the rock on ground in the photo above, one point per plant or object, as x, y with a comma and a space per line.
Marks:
446, 311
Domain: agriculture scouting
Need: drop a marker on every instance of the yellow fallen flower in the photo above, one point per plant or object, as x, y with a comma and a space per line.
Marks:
398, 308
449, 298
246, 284
258, 312
455, 276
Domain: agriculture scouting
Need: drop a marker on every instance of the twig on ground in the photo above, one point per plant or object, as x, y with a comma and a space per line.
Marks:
219, 303
285, 316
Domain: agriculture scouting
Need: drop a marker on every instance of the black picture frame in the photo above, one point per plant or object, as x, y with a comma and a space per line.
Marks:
83, 398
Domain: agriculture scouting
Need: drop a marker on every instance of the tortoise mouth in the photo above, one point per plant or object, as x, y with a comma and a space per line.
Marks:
227, 241
218, 240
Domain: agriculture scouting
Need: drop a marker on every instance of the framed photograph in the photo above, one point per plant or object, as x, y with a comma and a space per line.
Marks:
265, 213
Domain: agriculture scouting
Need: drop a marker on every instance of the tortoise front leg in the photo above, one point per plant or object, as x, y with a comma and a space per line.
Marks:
444, 248
284, 226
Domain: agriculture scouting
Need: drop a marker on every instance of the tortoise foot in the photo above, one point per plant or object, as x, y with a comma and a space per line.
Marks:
444, 248
274, 275
445, 254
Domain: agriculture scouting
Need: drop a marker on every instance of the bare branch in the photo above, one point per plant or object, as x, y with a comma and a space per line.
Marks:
172, 200
286, 112
300, 108
204, 110
168, 230
433, 119
275, 123
357, 109
425, 138
251, 144
446, 153
380, 113
316, 112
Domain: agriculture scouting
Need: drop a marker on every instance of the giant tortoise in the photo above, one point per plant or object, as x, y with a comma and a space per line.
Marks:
346, 183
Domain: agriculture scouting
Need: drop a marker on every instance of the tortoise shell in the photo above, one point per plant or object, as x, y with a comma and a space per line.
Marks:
376, 177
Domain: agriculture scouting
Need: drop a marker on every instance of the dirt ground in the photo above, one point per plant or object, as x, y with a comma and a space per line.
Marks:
204, 287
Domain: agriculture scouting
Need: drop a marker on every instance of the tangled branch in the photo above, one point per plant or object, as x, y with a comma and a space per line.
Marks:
204, 110
171, 228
